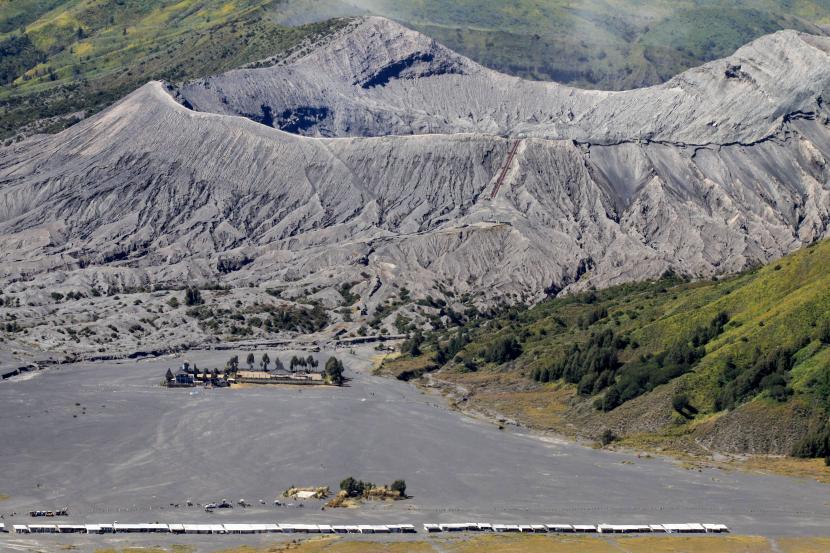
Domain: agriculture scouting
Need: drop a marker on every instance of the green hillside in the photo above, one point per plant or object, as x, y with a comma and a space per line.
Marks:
609, 44
666, 358
61, 57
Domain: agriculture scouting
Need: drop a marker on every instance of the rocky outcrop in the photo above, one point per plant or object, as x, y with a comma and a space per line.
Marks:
721, 168
756, 428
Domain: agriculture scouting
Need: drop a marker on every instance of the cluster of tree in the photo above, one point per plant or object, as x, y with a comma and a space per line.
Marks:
448, 347
412, 346
824, 332
296, 319
504, 349
17, 55
592, 365
453, 347
276, 319
192, 296
355, 488
649, 371
595, 366
682, 404
607, 437
9, 301
233, 329
702, 335
765, 371
446, 316
816, 443
304, 362
398, 486
454, 318
349, 297
403, 324
231, 264
429, 301
359, 488
594, 316
383, 310
265, 362
72, 295
334, 371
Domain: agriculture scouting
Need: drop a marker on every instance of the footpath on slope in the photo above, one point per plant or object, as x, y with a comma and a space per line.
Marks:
507, 164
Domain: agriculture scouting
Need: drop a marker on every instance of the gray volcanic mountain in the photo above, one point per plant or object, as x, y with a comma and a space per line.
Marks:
394, 161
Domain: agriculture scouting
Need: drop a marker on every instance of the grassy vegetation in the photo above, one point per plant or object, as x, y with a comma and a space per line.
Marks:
335, 545
599, 43
758, 342
62, 57
407, 368
172, 549
796, 545
529, 543
814, 469
624, 544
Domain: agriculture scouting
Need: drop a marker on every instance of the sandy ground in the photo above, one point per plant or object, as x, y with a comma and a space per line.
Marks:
105, 440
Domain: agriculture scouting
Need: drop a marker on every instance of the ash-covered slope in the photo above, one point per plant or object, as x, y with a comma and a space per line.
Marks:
383, 79
153, 192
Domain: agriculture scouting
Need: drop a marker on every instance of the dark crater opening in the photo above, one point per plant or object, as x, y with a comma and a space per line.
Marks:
301, 118
396, 70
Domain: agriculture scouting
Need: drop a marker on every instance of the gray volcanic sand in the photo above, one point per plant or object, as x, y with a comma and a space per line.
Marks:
140, 447
720, 169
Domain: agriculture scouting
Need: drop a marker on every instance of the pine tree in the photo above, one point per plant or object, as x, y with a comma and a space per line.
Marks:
233, 364
399, 486
192, 296
334, 371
